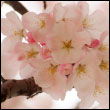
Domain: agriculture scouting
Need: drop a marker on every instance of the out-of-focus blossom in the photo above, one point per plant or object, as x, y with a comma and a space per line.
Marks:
95, 23
12, 28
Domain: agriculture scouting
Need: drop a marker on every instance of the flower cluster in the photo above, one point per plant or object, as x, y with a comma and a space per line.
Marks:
62, 49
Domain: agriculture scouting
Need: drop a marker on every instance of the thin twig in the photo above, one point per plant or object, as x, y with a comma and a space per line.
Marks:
45, 4
17, 6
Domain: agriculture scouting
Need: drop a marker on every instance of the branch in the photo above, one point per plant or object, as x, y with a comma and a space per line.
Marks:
13, 88
45, 4
17, 6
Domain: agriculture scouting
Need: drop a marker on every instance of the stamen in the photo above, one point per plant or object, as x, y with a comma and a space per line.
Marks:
20, 33
32, 53
86, 24
104, 65
67, 45
103, 47
98, 91
53, 68
43, 24
81, 70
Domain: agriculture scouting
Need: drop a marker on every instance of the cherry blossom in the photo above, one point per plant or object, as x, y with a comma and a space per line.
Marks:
92, 70
67, 13
39, 25
67, 43
95, 23
48, 77
12, 26
104, 6
8, 68
26, 53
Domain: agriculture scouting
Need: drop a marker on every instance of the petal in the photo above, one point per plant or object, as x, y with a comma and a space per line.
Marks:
87, 102
97, 24
84, 8
9, 66
8, 44
58, 90
43, 79
59, 12
7, 27
29, 21
30, 38
27, 71
12, 16
45, 52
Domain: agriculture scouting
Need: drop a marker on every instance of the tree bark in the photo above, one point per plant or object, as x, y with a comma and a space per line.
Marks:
17, 6
13, 88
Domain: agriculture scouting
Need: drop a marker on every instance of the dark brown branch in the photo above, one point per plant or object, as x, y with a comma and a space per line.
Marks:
13, 88
45, 4
17, 6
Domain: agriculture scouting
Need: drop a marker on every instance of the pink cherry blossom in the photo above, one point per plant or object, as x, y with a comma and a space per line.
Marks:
91, 71
67, 13
39, 25
48, 77
95, 23
51, 4
104, 6
67, 45
8, 68
12, 26
26, 53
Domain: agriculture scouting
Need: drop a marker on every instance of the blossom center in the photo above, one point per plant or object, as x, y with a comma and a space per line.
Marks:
104, 65
67, 45
53, 68
43, 24
20, 33
86, 24
98, 90
32, 53
81, 69
103, 47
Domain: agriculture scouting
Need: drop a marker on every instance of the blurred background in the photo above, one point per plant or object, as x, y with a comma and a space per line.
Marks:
44, 101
